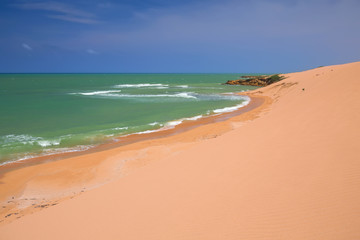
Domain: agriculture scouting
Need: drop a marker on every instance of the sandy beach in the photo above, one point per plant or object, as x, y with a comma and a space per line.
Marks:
287, 168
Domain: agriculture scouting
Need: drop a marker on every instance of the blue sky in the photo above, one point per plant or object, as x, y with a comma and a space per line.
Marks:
177, 36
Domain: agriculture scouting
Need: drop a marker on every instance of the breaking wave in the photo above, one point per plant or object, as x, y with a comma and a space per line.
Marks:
24, 139
182, 86
176, 95
157, 85
97, 92
233, 108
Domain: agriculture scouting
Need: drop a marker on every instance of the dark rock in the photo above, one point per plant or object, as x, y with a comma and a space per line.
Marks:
259, 81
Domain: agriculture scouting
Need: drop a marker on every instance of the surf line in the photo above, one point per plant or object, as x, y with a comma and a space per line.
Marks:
186, 125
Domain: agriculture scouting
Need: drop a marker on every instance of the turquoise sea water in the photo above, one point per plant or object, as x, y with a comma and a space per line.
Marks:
49, 113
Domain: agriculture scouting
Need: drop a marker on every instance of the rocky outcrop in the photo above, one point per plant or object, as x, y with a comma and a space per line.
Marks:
260, 81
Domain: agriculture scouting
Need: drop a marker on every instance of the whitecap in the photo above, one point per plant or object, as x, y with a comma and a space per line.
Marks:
120, 128
233, 108
194, 118
148, 131
22, 138
97, 92
184, 95
141, 85
47, 143
177, 95
182, 86
13, 140
174, 123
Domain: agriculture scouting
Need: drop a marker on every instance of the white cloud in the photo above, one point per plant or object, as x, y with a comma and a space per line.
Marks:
91, 51
26, 46
70, 18
65, 12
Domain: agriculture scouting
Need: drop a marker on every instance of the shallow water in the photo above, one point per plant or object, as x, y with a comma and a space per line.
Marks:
49, 113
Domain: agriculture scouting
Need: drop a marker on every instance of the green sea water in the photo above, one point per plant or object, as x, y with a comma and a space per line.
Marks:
43, 114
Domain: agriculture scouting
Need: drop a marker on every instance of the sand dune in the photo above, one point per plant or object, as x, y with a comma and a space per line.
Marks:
289, 169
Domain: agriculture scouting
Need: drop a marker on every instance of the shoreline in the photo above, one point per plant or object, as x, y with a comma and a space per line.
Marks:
131, 138
16, 175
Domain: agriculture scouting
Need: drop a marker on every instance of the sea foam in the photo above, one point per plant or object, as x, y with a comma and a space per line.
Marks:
141, 85
176, 95
174, 123
120, 128
97, 92
233, 108
154, 123
24, 139
47, 143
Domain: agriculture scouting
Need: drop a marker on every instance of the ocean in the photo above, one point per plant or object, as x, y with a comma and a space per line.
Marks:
44, 114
